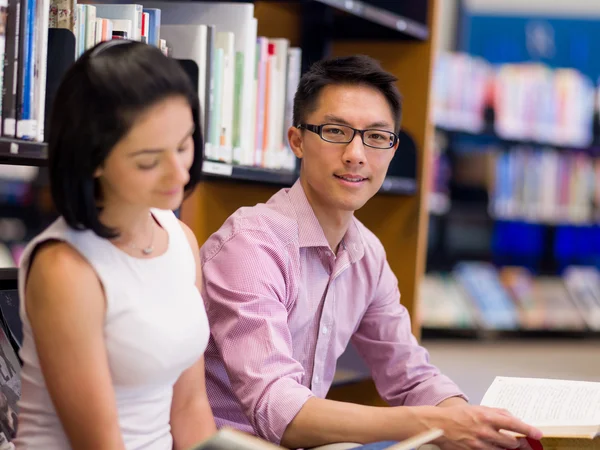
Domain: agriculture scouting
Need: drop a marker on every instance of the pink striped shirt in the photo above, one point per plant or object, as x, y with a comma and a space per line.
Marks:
282, 308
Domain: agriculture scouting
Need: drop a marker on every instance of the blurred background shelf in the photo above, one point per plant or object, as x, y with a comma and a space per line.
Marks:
19, 152
218, 170
232, 172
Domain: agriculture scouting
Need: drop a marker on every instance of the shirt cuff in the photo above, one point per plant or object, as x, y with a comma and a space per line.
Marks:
278, 407
433, 391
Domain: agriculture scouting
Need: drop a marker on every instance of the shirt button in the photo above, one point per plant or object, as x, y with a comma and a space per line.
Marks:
324, 330
316, 378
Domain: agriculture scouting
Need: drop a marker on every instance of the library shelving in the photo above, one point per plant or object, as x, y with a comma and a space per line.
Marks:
516, 197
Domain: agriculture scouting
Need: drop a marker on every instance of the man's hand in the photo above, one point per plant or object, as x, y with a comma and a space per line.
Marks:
469, 427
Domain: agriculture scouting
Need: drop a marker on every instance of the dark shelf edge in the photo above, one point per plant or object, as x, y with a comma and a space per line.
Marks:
9, 279
381, 17
19, 152
481, 334
491, 135
225, 171
219, 170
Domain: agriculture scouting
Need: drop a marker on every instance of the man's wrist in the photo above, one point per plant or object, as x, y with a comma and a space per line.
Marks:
452, 401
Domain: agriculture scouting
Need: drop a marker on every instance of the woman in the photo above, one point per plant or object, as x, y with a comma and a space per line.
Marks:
114, 325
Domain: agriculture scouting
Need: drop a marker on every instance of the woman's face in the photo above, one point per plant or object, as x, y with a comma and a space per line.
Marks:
149, 167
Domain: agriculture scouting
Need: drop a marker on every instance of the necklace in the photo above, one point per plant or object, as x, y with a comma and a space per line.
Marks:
150, 248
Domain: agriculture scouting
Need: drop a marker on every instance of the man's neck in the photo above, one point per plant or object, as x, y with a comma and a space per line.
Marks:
334, 223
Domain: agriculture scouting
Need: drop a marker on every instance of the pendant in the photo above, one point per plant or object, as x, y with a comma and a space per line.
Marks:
147, 250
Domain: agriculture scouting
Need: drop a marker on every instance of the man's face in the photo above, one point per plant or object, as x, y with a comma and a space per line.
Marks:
338, 176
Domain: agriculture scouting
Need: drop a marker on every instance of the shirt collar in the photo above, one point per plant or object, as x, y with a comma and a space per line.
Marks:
310, 233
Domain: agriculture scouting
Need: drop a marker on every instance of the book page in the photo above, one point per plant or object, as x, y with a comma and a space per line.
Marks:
545, 402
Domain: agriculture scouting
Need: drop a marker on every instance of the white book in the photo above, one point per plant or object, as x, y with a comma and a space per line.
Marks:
132, 12
294, 68
41, 63
248, 105
190, 42
98, 36
225, 41
560, 409
90, 26
123, 25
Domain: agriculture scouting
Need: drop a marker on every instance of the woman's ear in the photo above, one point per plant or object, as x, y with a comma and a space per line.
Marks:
295, 140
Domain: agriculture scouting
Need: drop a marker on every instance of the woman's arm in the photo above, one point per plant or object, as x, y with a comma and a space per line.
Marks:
191, 417
65, 304
192, 420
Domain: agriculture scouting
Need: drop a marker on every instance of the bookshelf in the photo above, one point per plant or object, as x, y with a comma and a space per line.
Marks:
515, 196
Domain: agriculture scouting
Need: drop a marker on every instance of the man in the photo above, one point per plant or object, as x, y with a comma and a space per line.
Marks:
288, 284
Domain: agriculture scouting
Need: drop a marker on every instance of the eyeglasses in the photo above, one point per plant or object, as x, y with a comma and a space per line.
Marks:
344, 134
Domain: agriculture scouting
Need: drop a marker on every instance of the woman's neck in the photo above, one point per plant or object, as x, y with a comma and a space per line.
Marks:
131, 223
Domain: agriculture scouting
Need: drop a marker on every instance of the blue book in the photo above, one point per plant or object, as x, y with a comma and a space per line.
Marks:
154, 16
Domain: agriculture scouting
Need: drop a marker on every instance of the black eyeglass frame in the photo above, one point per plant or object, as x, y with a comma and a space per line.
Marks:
317, 129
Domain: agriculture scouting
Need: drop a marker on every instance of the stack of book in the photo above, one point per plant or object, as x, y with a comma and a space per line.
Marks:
542, 185
246, 83
461, 90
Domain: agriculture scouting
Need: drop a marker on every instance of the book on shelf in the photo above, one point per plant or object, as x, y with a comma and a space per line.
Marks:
543, 185
531, 102
479, 296
566, 411
246, 82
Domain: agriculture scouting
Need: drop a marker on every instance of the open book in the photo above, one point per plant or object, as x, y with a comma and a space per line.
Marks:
567, 412
230, 439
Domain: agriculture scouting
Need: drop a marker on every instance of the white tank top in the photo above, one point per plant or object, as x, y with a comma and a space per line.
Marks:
155, 328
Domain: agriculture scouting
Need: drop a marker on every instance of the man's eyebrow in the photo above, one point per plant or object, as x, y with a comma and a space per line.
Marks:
337, 119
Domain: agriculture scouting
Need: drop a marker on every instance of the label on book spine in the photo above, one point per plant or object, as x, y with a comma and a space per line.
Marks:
27, 129
10, 127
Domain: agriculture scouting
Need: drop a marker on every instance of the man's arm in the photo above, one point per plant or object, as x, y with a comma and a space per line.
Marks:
245, 288
452, 401
399, 365
245, 283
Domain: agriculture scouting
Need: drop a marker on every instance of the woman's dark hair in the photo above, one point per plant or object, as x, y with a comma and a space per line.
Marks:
351, 70
97, 102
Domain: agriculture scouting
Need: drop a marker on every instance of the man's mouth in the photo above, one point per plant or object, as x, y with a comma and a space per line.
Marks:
351, 178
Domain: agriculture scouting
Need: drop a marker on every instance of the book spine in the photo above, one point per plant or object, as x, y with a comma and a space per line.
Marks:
11, 67
41, 63
26, 126
3, 19
209, 100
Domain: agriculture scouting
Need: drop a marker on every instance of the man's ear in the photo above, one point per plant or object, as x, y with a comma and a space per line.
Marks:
98, 172
295, 140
